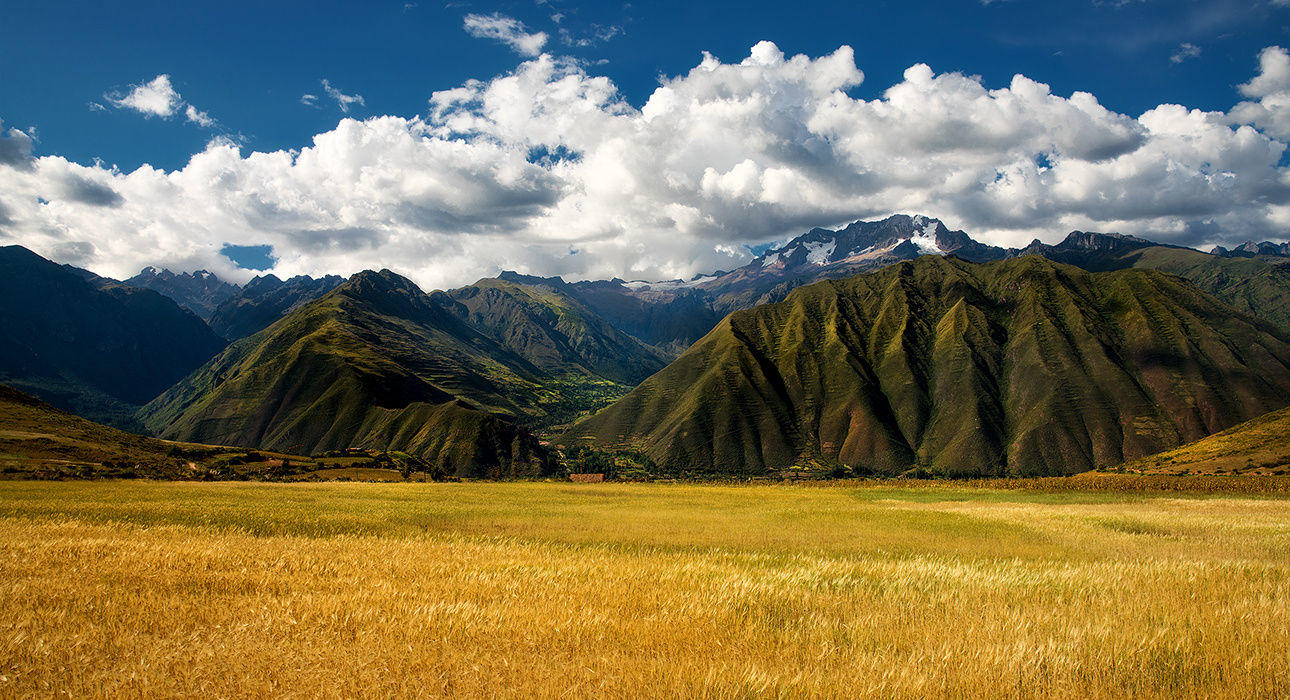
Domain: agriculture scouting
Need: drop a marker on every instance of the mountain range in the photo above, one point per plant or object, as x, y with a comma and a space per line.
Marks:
264, 300
892, 346
1022, 367
672, 315
200, 292
541, 320
1250, 249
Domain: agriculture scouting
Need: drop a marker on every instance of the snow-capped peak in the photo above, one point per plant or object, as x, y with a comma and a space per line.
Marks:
925, 236
668, 284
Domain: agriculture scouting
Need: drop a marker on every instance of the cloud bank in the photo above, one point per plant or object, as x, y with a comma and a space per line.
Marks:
548, 170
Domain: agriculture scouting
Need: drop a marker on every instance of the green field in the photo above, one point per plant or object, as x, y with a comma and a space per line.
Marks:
521, 589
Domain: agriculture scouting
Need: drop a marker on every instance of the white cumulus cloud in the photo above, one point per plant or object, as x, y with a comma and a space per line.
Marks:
547, 169
197, 116
156, 98
1269, 106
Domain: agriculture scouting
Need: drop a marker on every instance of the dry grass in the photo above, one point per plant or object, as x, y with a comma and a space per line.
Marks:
137, 588
1258, 485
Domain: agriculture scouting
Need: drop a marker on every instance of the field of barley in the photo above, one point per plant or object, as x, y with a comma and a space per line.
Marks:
544, 589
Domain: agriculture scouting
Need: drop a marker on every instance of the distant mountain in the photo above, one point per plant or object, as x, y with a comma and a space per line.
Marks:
264, 300
1021, 366
672, 315
679, 312
1255, 287
1250, 249
1085, 246
823, 254
667, 316
375, 363
543, 321
199, 292
90, 345
1257, 446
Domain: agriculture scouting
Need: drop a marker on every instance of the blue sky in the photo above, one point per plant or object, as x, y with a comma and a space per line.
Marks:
248, 63
644, 140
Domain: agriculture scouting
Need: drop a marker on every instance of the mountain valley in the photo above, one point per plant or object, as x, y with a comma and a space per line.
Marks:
884, 347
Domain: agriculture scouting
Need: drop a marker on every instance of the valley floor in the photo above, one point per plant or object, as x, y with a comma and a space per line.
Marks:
521, 589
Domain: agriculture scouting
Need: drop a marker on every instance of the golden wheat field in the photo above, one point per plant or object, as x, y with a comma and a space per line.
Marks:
541, 589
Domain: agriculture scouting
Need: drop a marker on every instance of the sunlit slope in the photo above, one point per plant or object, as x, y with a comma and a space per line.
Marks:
266, 299
374, 364
1256, 287
1257, 446
36, 437
1023, 367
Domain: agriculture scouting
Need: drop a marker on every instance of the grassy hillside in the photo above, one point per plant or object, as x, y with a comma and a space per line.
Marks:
374, 364
672, 317
618, 590
1258, 446
39, 440
1256, 287
669, 321
1022, 367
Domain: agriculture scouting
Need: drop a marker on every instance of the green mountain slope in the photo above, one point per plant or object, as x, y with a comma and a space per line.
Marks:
1021, 367
375, 364
671, 315
1256, 286
90, 345
542, 322
668, 320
